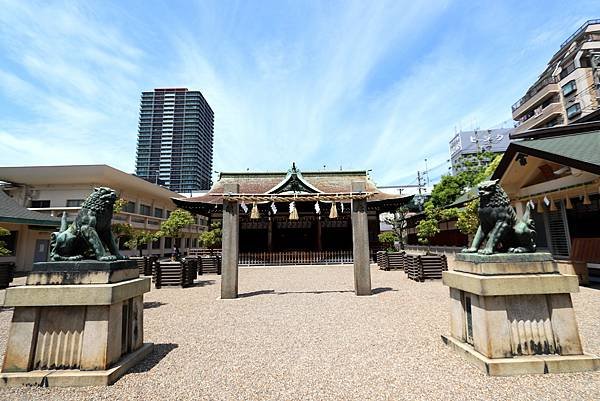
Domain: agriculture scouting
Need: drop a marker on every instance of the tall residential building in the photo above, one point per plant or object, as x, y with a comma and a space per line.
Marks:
175, 139
569, 88
467, 147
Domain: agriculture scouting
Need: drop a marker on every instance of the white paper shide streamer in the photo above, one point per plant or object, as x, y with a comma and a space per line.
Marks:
244, 207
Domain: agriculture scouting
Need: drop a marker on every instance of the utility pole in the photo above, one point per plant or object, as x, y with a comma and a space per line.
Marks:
419, 179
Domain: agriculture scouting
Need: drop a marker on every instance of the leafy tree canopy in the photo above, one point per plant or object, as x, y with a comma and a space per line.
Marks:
447, 191
178, 219
212, 238
387, 239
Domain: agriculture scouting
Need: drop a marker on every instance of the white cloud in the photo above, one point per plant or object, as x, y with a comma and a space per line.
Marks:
375, 85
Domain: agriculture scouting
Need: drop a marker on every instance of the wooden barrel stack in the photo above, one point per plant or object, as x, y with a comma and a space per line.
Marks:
425, 267
179, 273
209, 265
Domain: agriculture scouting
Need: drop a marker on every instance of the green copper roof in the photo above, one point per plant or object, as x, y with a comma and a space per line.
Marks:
12, 212
577, 150
584, 147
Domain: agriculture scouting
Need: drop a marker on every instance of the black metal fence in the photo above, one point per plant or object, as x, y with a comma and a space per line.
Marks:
295, 258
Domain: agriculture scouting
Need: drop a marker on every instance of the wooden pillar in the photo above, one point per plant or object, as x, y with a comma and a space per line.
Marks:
360, 242
230, 244
319, 239
270, 235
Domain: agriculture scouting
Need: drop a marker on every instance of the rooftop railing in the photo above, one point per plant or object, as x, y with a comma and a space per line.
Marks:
579, 31
535, 89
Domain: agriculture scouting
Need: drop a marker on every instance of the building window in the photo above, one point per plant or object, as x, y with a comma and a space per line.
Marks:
145, 210
74, 202
129, 207
158, 212
40, 203
573, 111
569, 88
156, 244
168, 242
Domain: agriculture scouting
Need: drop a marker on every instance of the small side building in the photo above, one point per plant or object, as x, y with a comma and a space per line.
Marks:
30, 231
558, 170
51, 190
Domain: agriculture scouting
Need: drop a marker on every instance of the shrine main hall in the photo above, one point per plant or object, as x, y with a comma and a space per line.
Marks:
294, 210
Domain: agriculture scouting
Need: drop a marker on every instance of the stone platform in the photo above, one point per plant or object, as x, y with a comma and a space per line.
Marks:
513, 314
82, 272
75, 319
76, 377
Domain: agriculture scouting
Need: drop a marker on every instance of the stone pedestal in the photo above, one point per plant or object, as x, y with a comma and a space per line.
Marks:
75, 324
512, 314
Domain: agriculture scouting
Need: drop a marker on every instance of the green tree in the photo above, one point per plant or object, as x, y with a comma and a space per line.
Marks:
178, 220
137, 238
3, 250
448, 189
122, 229
468, 218
429, 226
398, 223
212, 238
388, 239
119, 204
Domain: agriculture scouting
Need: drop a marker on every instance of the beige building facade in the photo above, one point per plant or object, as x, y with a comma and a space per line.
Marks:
52, 190
569, 88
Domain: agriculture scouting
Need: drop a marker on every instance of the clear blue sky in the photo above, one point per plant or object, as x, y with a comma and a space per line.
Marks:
363, 85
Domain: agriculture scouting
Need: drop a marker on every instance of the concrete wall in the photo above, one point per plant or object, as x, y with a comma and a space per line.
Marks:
25, 247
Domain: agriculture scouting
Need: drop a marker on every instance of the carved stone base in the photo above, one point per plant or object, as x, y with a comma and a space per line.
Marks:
76, 377
86, 327
514, 317
524, 365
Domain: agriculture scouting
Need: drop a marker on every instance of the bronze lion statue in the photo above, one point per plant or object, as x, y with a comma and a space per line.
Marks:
499, 227
90, 235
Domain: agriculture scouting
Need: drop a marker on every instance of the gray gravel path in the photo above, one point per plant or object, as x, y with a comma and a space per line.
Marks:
299, 333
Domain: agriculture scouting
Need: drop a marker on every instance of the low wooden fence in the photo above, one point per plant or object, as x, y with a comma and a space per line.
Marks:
295, 258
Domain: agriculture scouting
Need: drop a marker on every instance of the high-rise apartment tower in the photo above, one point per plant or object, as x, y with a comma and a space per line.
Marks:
175, 139
568, 90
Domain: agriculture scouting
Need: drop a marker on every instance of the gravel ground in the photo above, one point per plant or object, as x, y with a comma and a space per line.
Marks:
300, 333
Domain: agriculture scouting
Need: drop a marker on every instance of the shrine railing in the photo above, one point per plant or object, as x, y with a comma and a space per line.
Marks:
295, 258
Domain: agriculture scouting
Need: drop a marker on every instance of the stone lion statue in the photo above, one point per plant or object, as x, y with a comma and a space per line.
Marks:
90, 235
499, 228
